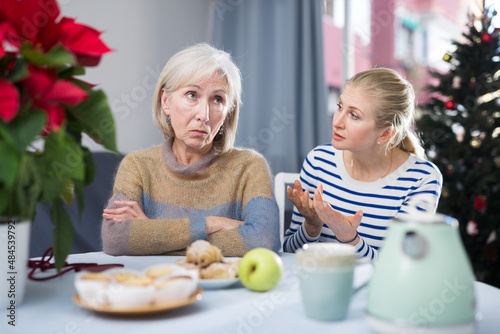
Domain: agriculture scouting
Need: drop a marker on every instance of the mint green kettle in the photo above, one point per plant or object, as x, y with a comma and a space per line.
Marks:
423, 279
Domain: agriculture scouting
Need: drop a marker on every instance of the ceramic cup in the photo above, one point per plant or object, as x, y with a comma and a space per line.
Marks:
326, 272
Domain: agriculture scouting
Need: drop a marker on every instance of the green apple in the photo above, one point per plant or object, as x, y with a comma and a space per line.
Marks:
260, 269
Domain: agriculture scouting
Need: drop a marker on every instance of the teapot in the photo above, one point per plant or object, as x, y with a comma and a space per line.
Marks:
423, 280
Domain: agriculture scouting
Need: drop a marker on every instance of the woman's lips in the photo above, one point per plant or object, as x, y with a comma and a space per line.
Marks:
198, 132
336, 136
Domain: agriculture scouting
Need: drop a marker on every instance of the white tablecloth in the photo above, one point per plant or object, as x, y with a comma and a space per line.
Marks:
48, 307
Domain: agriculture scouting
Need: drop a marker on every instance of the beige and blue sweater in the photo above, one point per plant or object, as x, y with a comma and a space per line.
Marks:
176, 198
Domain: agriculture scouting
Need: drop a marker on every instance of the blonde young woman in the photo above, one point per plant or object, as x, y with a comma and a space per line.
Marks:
196, 185
373, 171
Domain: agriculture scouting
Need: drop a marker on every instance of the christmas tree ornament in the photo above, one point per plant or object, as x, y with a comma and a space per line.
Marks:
475, 142
456, 82
472, 229
472, 83
447, 57
450, 104
480, 203
486, 38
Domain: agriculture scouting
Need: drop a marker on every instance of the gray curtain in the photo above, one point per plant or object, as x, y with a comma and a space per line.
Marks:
278, 46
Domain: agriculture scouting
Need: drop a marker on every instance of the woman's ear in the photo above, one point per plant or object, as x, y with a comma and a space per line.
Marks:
164, 102
387, 134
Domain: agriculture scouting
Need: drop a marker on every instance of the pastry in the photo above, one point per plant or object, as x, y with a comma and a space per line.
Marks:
219, 270
174, 289
131, 292
203, 253
95, 277
158, 271
124, 276
92, 287
183, 262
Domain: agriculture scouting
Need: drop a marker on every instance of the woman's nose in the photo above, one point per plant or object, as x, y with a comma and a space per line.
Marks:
203, 111
338, 119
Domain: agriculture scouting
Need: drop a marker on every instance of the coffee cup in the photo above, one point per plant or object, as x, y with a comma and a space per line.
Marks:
326, 273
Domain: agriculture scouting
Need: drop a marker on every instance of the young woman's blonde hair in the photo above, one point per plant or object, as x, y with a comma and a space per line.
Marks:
195, 64
393, 100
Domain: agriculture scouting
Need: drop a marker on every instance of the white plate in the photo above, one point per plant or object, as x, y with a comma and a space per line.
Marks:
140, 310
209, 284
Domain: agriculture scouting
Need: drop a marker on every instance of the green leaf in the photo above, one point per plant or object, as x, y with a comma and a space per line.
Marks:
64, 157
19, 71
26, 128
96, 119
68, 191
89, 166
64, 233
28, 188
51, 184
80, 196
52, 187
57, 56
9, 164
67, 73
4, 201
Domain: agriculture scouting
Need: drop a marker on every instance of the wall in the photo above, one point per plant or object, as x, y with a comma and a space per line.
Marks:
143, 35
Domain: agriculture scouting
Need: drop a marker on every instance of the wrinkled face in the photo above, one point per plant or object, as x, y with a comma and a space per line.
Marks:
354, 125
197, 111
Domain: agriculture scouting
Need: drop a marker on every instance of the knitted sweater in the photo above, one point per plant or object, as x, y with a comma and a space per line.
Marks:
177, 198
415, 185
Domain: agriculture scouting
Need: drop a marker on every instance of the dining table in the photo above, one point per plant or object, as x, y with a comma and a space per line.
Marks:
49, 306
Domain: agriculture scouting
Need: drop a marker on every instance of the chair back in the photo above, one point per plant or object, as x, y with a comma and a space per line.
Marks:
281, 181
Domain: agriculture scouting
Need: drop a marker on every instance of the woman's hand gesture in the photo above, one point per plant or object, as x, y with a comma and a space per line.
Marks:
305, 206
344, 227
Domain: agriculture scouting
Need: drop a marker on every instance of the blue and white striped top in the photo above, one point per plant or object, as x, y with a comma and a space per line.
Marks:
416, 184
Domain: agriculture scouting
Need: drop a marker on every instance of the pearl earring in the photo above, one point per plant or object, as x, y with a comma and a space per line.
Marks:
378, 143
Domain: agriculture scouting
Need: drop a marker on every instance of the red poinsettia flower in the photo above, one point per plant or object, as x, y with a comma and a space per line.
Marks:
9, 101
29, 17
83, 41
36, 21
49, 93
8, 34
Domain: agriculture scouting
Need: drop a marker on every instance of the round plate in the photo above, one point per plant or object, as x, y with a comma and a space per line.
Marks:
139, 310
209, 284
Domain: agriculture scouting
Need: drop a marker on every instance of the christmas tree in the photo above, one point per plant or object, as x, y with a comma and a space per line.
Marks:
460, 128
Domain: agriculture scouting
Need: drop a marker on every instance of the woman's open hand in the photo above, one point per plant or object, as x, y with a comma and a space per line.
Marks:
305, 206
344, 227
125, 210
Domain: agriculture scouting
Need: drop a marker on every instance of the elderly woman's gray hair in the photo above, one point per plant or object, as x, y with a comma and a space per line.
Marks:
193, 64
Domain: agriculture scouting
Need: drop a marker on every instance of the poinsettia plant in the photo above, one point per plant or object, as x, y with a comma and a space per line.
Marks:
44, 111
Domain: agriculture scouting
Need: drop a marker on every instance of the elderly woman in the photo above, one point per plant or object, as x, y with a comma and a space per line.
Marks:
196, 185
373, 171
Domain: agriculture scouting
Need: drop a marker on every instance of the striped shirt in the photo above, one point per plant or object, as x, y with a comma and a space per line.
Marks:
416, 184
